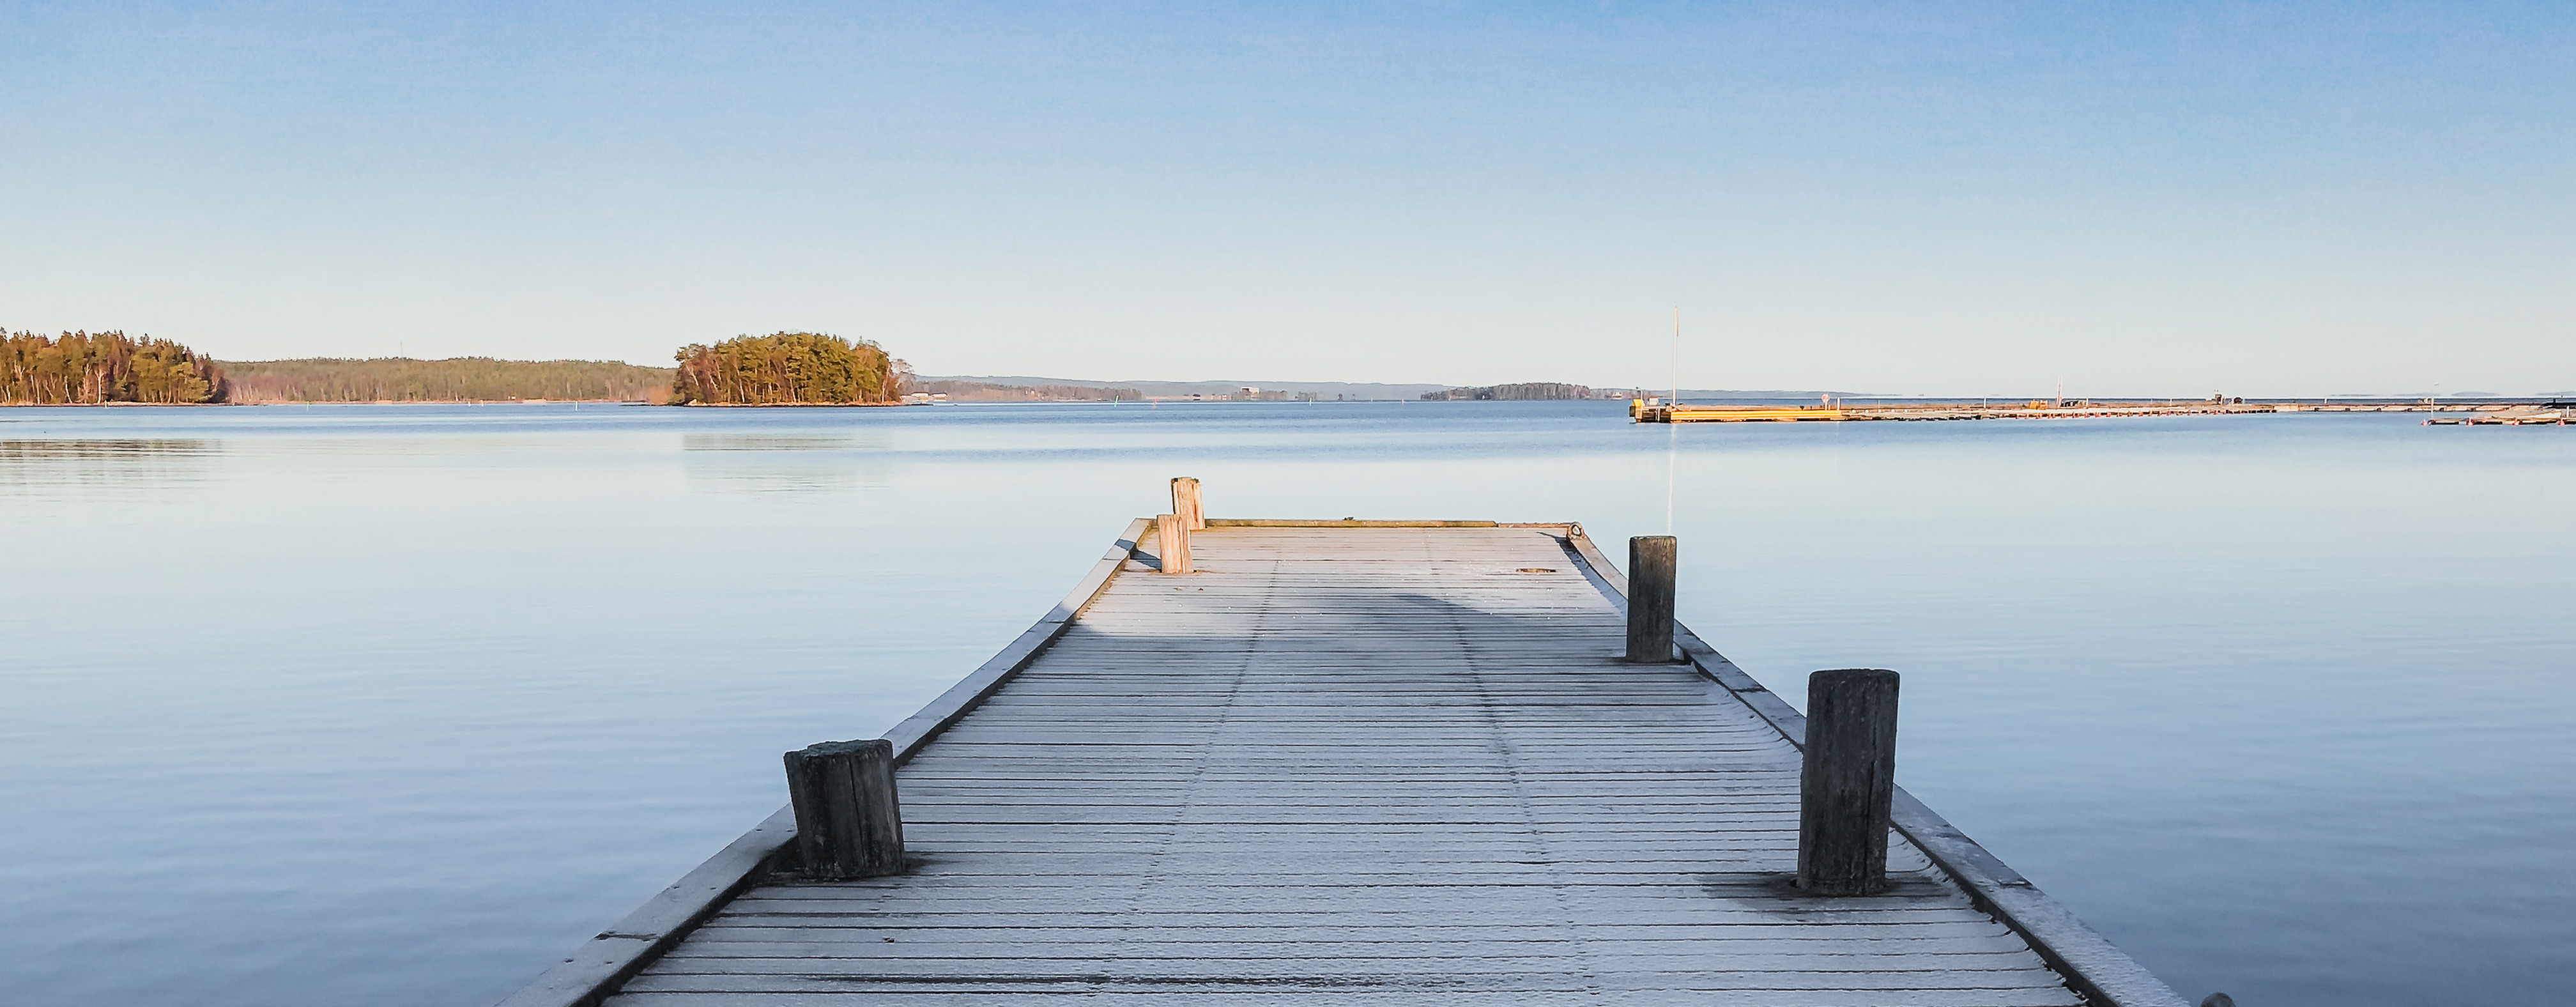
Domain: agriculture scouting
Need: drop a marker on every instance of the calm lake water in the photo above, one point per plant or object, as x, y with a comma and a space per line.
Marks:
395, 705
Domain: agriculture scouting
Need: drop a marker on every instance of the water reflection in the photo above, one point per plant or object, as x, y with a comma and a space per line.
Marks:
374, 446
48, 466
777, 442
785, 463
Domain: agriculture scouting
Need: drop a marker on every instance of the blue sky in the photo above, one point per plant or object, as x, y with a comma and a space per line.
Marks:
1962, 199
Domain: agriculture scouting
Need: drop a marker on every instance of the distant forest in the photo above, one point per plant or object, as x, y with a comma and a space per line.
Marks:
1513, 393
788, 368
980, 391
457, 379
91, 368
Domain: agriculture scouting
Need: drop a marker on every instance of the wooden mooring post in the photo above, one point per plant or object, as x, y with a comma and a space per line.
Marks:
1172, 543
1651, 572
1848, 784
1185, 504
848, 823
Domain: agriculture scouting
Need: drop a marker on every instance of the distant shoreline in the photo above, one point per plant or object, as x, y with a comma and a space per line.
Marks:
328, 402
2357, 404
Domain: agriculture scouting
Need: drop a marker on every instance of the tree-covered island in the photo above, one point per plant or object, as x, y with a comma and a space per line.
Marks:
787, 369
95, 368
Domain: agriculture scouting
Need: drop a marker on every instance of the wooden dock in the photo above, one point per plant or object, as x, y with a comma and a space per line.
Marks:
2466, 411
1656, 411
2550, 415
1350, 763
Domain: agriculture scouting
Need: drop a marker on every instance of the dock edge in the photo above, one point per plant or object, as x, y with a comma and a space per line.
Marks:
2094, 968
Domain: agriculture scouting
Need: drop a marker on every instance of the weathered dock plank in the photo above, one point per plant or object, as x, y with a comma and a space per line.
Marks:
1364, 764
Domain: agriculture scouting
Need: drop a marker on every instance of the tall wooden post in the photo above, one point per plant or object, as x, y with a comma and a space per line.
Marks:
1172, 543
1185, 504
848, 824
1849, 782
1651, 560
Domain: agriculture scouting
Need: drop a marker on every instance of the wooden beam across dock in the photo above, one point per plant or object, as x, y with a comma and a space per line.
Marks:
1351, 763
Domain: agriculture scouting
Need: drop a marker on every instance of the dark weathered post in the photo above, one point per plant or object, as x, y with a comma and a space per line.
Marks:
1849, 783
1650, 598
847, 821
